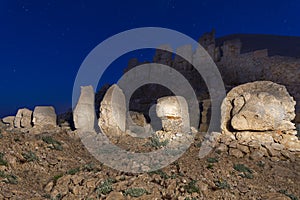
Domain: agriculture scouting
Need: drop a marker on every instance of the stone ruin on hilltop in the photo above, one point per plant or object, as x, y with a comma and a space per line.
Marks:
43, 118
256, 120
235, 67
257, 116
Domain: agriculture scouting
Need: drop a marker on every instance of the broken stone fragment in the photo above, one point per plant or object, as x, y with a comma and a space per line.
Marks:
9, 120
84, 112
137, 125
260, 115
246, 137
258, 106
260, 112
44, 117
112, 119
173, 111
137, 118
236, 153
23, 118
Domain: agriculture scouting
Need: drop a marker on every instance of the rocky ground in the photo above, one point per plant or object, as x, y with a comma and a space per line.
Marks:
55, 165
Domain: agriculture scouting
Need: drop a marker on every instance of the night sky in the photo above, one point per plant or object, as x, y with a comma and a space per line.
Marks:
43, 43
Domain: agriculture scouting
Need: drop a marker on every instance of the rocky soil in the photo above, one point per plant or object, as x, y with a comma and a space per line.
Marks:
55, 165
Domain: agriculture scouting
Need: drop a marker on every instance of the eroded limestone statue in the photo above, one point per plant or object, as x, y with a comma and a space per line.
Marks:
44, 117
9, 120
258, 106
84, 112
23, 118
257, 120
173, 112
112, 119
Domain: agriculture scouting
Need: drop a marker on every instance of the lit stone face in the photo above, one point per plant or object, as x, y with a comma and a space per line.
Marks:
259, 112
259, 115
173, 111
258, 106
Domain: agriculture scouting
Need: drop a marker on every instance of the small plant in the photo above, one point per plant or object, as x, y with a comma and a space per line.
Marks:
222, 184
57, 197
246, 172
73, 171
135, 192
2, 161
30, 156
88, 167
9, 178
246, 175
192, 187
105, 188
56, 177
212, 160
210, 166
55, 144
173, 176
2, 174
242, 168
181, 174
47, 196
91, 167
161, 173
291, 196
154, 142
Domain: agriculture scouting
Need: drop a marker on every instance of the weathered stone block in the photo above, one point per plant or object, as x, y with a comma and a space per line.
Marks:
260, 115
84, 112
44, 116
9, 120
112, 119
23, 118
258, 106
173, 111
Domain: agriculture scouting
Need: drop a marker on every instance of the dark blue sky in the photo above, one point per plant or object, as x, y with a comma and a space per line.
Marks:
43, 43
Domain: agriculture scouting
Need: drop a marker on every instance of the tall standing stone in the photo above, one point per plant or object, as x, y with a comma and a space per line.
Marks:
84, 112
112, 119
